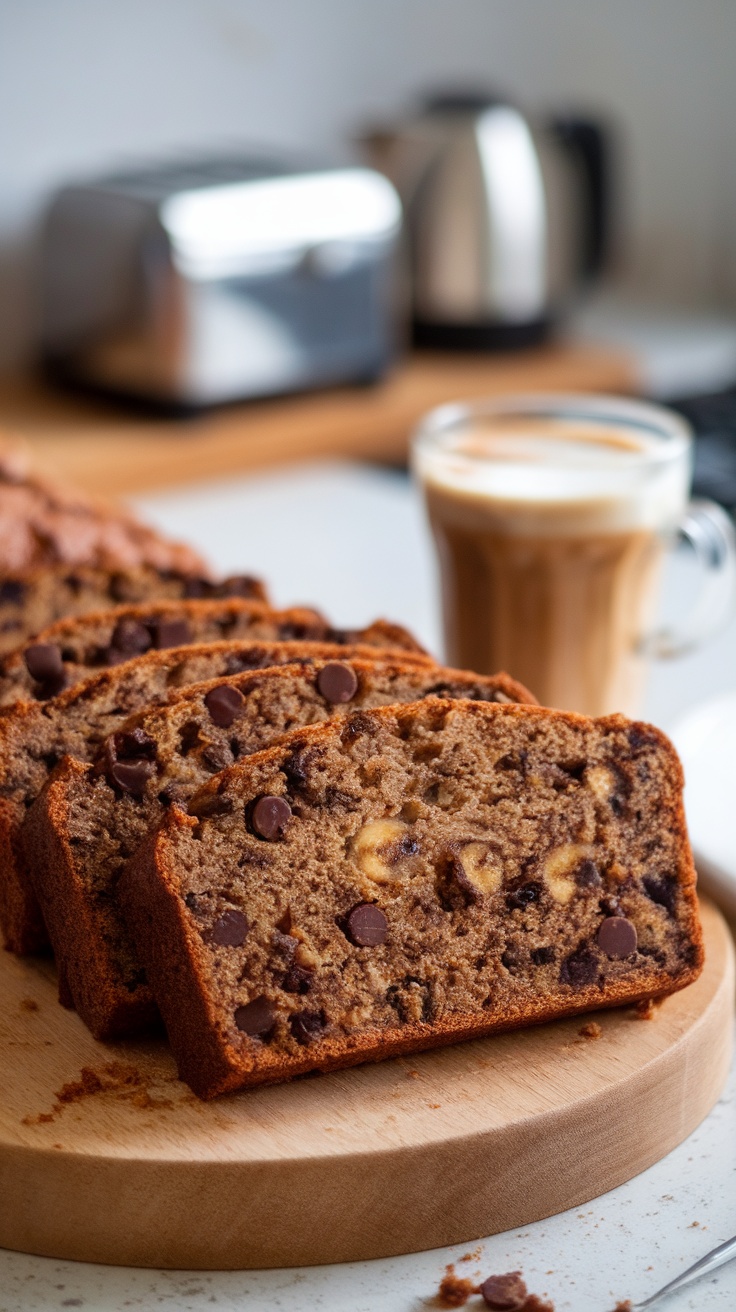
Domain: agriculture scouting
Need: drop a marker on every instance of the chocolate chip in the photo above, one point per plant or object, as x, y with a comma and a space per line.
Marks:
587, 875
129, 638
169, 633
504, 1293
229, 930
307, 1025
239, 585
522, 896
617, 937
542, 956
366, 926
270, 817
131, 776
256, 1018
12, 592
224, 704
133, 743
297, 980
580, 968
43, 662
337, 682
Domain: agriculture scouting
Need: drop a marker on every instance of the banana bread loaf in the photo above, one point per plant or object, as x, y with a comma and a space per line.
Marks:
74, 648
35, 735
32, 600
412, 876
89, 819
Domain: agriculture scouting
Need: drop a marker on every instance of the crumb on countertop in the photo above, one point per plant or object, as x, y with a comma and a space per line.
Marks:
454, 1291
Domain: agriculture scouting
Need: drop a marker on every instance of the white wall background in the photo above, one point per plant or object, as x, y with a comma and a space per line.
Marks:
85, 84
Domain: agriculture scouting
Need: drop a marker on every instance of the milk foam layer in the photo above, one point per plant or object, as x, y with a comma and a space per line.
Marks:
541, 476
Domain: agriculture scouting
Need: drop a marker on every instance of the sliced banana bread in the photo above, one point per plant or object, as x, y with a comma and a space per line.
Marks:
72, 649
35, 735
89, 819
32, 600
412, 876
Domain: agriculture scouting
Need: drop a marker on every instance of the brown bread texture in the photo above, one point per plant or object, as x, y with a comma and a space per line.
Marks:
84, 544
30, 601
45, 523
74, 648
35, 735
413, 876
88, 820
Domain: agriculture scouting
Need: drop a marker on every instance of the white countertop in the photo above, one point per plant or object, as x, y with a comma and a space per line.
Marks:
352, 541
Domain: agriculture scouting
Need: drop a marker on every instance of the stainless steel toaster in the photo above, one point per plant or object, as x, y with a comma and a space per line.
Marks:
219, 279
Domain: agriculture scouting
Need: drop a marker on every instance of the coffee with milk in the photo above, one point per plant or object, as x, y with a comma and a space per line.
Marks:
550, 530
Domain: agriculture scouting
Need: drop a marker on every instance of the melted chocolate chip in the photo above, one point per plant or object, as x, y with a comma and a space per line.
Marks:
307, 1025
44, 663
189, 737
521, 897
224, 704
580, 968
131, 776
337, 683
133, 743
617, 937
504, 1293
256, 1018
170, 633
587, 875
366, 926
128, 639
229, 930
270, 816
297, 980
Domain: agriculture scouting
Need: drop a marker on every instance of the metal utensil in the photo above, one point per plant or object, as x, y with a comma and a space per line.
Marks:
718, 1257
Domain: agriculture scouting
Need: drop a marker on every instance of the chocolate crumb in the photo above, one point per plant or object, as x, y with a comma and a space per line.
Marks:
454, 1291
591, 1030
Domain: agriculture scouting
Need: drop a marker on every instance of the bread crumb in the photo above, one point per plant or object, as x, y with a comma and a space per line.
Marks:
694, 1225
454, 1291
591, 1030
623, 1307
412, 1075
29, 1004
121, 1080
472, 1256
645, 1009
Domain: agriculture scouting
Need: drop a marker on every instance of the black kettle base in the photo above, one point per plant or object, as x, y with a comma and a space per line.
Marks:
480, 336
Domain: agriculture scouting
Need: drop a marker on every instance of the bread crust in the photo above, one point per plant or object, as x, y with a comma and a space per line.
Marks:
176, 956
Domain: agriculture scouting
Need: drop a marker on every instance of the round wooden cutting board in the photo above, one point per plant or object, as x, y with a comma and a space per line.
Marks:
105, 1156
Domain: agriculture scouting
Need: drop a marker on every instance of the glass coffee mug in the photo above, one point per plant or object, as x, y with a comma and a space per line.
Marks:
552, 516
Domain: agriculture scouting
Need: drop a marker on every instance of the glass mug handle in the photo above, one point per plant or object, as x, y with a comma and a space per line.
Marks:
710, 532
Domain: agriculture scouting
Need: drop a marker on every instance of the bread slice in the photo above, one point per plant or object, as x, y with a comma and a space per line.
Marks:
72, 649
412, 876
31, 600
90, 818
35, 735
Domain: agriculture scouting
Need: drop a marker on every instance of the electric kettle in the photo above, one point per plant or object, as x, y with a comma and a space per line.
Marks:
506, 218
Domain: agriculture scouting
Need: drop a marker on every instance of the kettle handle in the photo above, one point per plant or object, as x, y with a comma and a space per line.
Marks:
588, 143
